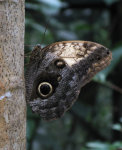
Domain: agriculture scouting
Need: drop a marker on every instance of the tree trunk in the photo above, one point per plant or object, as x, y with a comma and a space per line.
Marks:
12, 88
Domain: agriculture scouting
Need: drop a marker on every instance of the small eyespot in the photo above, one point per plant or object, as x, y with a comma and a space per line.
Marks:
59, 78
60, 63
45, 89
108, 52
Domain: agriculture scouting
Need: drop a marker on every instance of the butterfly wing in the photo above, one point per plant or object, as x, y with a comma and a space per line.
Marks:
57, 72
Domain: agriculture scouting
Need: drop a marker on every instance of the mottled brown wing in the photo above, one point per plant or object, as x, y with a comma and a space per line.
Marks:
74, 51
57, 72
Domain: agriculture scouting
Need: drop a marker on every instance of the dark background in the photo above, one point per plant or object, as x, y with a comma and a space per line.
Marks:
95, 120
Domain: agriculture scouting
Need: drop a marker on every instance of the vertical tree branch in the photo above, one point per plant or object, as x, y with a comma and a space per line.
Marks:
116, 34
12, 89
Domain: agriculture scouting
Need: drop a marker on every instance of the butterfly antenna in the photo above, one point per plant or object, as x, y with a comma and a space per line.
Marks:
43, 37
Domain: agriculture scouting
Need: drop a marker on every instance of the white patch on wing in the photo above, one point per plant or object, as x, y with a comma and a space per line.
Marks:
70, 61
68, 51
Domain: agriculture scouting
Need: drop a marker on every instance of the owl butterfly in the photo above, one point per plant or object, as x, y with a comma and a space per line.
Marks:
57, 72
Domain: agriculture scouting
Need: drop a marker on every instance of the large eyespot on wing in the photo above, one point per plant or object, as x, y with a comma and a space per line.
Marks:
45, 89
44, 85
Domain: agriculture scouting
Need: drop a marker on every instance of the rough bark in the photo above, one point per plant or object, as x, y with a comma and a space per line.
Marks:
12, 89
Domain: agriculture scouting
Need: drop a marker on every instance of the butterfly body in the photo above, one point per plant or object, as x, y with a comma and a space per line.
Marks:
57, 72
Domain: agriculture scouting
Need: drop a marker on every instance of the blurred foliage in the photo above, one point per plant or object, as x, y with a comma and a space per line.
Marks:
95, 120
